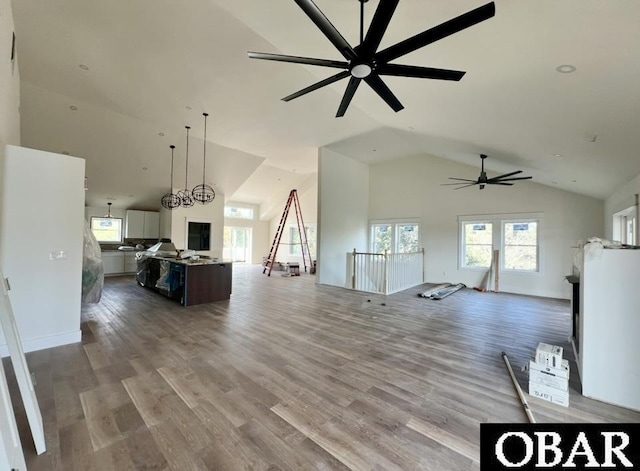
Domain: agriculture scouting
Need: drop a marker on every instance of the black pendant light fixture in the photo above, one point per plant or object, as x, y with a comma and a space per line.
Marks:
204, 194
108, 215
171, 200
186, 197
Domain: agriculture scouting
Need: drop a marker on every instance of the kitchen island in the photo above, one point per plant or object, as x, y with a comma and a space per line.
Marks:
188, 281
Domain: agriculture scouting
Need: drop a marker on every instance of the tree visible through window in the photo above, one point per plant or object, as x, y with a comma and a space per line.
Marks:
398, 238
294, 239
521, 246
478, 244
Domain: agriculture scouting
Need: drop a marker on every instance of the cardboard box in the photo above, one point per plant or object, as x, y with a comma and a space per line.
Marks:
547, 379
549, 394
561, 372
549, 355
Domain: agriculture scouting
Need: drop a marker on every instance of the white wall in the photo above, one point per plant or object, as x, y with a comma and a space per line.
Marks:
212, 212
411, 188
622, 199
45, 294
343, 201
9, 86
259, 230
308, 198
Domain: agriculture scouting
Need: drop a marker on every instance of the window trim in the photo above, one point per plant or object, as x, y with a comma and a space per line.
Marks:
498, 221
237, 206
294, 227
108, 241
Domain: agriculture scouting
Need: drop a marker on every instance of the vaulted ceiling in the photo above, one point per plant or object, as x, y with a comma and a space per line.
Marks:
137, 72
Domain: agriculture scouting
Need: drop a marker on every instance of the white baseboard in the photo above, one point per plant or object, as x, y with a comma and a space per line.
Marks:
32, 345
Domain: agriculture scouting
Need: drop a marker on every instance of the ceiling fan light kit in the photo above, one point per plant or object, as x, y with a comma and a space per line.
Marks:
483, 180
365, 62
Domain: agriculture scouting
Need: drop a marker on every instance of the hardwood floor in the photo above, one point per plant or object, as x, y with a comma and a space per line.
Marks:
288, 375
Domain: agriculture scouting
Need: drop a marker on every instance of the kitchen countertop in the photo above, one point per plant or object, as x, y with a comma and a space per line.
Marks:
189, 262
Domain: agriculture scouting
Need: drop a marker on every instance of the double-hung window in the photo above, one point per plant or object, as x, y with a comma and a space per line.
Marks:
107, 229
515, 236
398, 237
295, 247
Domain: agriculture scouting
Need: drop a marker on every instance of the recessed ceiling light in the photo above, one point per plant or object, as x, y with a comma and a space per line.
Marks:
145, 168
557, 155
83, 67
566, 68
188, 108
573, 181
374, 150
161, 134
111, 198
130, 196
73, 108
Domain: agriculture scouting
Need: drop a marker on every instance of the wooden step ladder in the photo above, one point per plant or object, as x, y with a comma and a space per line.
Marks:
302, 231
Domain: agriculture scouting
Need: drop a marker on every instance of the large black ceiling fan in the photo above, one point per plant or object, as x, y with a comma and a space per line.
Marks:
365, 62
483, 180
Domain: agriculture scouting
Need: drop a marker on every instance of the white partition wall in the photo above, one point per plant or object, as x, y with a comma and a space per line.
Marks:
41, 241
609, 326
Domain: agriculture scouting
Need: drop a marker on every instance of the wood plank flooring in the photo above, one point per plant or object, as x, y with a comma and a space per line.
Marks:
288, 375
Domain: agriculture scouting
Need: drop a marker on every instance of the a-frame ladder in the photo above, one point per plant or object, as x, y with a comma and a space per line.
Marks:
302, 231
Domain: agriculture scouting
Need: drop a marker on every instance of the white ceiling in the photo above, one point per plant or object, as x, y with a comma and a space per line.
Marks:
156, 65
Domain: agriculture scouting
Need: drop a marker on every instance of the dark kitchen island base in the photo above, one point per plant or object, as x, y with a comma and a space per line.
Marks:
190, 283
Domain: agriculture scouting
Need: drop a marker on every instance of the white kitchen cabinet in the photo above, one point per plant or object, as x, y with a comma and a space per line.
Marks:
113, 262
142, 224
151, 225
130, 262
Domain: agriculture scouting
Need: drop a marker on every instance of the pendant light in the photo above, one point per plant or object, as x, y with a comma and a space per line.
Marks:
108, 215
171, 200
204, 193
186, 198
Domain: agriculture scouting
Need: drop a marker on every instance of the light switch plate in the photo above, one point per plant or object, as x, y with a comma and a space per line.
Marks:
58, 255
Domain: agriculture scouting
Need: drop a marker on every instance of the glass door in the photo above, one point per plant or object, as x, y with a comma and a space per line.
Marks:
237, 244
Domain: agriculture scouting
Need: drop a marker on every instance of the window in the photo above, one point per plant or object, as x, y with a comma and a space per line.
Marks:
624, 226
238, 213
403, 237
107, 229
520, 246
295, 247
477, 244
515, 236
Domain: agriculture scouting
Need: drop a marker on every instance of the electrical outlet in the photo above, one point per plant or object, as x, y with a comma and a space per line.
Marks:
58, 255
444, 273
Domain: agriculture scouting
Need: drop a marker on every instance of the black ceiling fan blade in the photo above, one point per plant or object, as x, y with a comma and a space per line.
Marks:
506, 175
510, 179
465, 186
315, 86
348, 96
499, 183
298, 60
399, 70
378, 27
459, 183
461, 179
436, 33
375, 82
330, 31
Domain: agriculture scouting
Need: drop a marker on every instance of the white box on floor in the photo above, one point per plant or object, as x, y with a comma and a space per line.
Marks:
547, 379
549, 355
549, 394
561, 372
